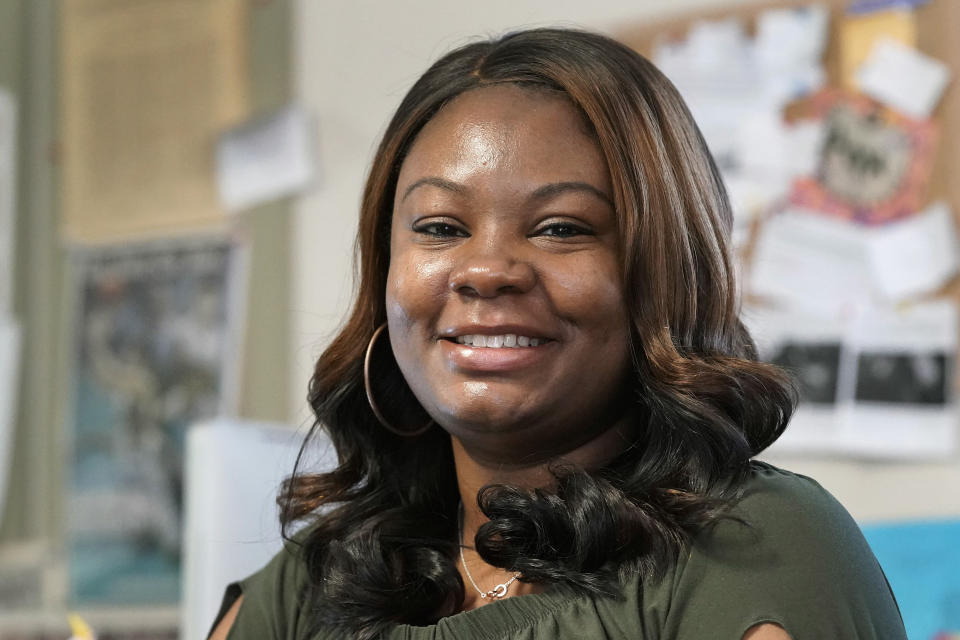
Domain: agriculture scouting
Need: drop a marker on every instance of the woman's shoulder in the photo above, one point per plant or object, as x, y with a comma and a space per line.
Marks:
786, 552
789, 521
771, 494
273, 598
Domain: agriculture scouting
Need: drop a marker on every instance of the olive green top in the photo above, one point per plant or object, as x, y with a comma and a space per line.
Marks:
802, 564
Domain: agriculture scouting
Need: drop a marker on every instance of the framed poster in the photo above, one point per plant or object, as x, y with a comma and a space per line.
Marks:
154, 352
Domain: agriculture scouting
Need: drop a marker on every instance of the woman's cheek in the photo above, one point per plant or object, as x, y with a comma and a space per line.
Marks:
416, 286
591, 294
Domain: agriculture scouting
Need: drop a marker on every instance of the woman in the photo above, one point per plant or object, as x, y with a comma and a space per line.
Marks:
544, 404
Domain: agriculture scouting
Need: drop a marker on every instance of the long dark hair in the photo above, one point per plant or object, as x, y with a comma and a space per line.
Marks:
383, 550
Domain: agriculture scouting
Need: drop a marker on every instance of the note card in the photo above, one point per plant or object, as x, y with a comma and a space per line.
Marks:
903, 77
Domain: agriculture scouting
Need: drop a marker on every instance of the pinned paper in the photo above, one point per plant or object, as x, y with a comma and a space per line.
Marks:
774, 150
914, 256
810, 346
903, 403
772, 155
787, 50
875, 381
156, 329
787, 38
903, 78
811, 262
713, 69
860, 32
265, 159
736, 87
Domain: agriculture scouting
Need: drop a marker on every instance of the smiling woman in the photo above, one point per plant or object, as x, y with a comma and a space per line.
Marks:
506, 231
556, 439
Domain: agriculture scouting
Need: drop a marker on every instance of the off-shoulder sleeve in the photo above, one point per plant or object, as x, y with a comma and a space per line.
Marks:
272, 600
799, 560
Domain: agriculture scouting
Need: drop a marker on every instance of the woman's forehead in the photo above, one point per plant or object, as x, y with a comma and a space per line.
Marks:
506, 132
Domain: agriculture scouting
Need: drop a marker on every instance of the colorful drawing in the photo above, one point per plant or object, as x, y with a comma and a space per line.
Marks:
874, 164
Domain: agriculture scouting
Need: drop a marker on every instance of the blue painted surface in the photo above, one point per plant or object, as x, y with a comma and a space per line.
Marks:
922, 563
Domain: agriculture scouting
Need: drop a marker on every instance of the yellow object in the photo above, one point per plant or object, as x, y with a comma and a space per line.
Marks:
80, 629
858, 34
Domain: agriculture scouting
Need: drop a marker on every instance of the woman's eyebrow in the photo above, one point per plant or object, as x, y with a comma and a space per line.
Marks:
544, 192
435, 181
556, 188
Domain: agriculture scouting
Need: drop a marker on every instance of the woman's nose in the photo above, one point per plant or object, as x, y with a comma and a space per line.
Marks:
491, 273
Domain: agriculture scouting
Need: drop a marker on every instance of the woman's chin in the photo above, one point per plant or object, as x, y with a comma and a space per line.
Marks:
483, 416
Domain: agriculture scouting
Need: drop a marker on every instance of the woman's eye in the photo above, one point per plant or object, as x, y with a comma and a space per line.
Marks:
440, 230
563, 230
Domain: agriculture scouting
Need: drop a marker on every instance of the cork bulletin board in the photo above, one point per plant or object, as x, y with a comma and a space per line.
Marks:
146, 87
936, 35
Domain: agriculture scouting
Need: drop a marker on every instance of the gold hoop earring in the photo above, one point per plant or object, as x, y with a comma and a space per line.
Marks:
369, 389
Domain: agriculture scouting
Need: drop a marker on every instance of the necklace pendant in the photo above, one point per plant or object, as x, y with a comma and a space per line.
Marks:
499, 591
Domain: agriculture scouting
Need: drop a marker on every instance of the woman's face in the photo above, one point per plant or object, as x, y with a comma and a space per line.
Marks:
504, 298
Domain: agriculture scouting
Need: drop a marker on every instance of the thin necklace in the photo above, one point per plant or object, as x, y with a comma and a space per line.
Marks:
498, 591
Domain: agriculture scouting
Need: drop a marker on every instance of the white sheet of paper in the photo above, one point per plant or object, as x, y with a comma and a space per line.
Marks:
892, 377
713, 69
775, 151
712, 44
736, 86
787, 37
814, 427
762, 140
266, 159
8, 185
804, 142
907, 355
810, 262
9, 386
914, 256
903, 78
233, 473
761, 175
787, 50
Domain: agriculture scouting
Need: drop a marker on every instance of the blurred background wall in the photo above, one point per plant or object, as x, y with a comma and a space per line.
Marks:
354, 97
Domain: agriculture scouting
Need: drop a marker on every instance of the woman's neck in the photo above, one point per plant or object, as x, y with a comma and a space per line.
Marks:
474, 472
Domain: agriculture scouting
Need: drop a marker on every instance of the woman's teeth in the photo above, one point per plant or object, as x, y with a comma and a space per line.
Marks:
508, 340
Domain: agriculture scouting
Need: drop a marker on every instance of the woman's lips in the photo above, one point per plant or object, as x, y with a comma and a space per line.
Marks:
466, 357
